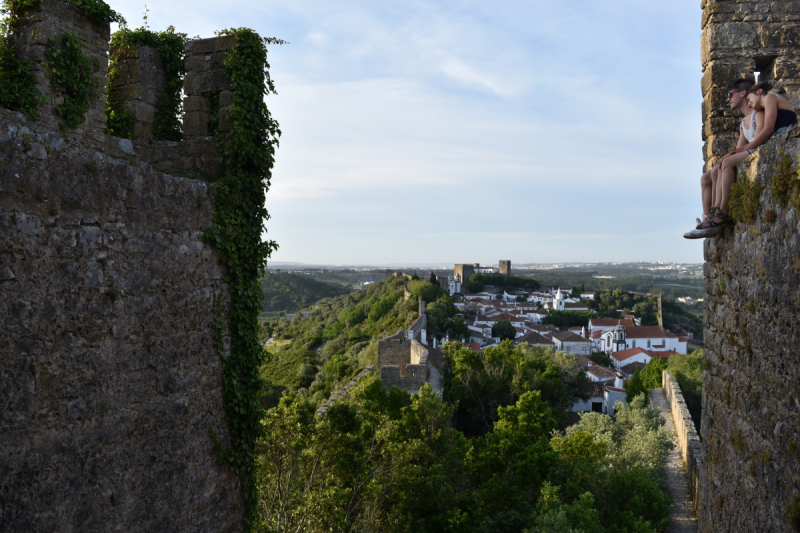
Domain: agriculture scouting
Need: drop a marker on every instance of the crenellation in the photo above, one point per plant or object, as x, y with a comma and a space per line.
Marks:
138, 83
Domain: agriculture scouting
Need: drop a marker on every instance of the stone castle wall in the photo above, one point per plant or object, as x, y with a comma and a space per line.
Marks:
750, 476
686, 435
741, 37
109, 379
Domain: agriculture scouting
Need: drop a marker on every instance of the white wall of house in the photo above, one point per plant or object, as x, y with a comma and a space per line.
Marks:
640, 357
611, 398
582, 407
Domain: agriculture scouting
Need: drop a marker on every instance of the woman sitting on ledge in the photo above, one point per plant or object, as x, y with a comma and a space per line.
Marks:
778, 116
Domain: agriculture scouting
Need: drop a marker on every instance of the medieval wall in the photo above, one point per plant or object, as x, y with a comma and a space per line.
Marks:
750, 477
740, 38
109, 380
402, 362
685, 435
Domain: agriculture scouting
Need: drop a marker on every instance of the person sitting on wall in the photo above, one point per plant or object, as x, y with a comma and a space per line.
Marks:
737, 92
773, 114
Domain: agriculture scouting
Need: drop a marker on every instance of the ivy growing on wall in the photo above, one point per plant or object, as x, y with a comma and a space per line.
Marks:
167, 124
17, 90
247, 151
72, 74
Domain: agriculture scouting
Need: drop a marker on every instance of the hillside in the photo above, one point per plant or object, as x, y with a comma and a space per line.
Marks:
290, 292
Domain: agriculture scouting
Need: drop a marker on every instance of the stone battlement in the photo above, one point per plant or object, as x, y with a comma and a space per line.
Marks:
139, 80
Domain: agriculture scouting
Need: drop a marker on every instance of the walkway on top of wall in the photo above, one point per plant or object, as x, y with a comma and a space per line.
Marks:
682, 518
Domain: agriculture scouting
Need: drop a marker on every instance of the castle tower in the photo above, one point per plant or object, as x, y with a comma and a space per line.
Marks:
505, 267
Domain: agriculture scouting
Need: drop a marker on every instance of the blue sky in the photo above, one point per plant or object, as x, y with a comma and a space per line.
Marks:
463, 131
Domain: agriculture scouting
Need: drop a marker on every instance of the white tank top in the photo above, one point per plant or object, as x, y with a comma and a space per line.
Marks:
750, 133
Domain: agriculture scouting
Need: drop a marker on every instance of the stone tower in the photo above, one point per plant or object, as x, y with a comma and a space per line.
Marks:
465, 271
740, 39
505, 267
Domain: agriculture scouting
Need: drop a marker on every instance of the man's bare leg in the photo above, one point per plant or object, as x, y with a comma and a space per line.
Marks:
726, 180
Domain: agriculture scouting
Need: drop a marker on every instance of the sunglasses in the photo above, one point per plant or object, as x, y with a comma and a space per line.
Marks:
731, 93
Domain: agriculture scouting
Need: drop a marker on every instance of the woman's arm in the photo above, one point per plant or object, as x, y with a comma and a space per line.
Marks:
768, 122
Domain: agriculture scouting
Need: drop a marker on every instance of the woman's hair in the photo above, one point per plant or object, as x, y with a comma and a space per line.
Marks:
764, 86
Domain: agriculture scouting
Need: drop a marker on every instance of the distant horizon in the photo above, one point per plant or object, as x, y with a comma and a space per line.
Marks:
448, 265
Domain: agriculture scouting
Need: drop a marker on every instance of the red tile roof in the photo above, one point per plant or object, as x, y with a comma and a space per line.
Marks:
568, 336
627, 354
534, 338
595, 389
474, 346
611, 322
646, 332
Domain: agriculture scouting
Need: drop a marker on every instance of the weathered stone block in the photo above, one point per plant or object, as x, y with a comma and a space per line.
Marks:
207, 46
729, 37
719, 74
195, 123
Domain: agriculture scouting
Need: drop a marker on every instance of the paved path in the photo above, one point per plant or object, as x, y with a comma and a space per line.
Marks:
681, 515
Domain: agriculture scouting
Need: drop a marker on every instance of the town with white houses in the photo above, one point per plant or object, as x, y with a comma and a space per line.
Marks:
628, 344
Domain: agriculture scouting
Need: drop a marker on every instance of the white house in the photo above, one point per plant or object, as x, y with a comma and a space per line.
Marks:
566, 341
486, 270
540, 298
647, 337
595, 401
587, 295
602, 399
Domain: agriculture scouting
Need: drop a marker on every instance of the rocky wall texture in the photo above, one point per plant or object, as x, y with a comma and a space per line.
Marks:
750, 476
685, 435
740, 38
108, 378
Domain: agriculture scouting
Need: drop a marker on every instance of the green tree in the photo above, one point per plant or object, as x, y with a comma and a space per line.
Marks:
425, 290
504, 329
635, 387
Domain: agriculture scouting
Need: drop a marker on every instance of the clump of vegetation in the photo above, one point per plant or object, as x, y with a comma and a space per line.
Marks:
478, 282
644, 380
170, 44
784, 185
72, 74
383, 460
745, 201
609, 303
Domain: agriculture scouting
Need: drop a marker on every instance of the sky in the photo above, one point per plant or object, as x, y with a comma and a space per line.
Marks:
462, 131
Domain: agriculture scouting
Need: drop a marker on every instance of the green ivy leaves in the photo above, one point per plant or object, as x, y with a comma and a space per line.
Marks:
72, 74
167, 124
247, 152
